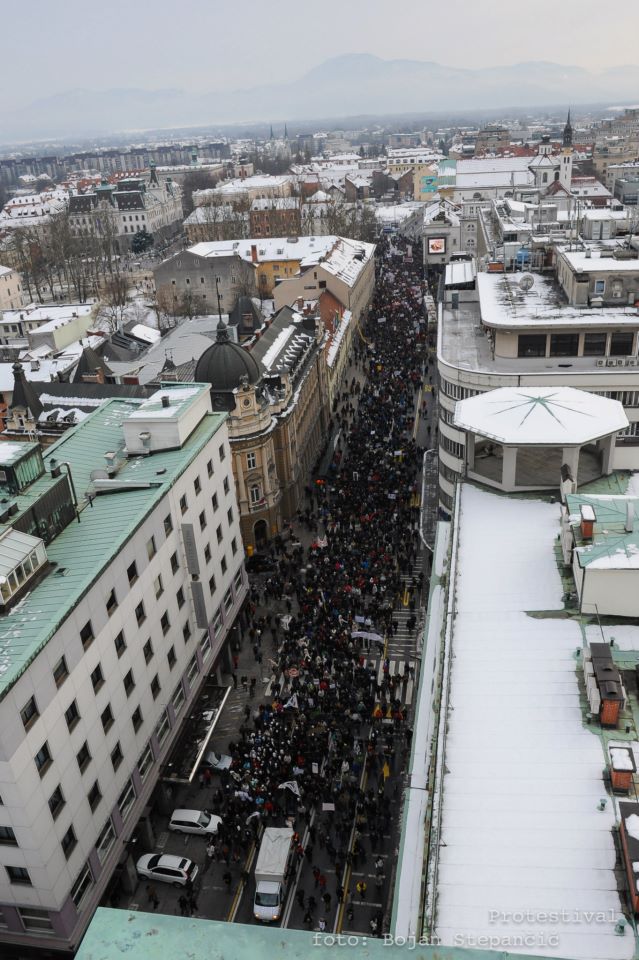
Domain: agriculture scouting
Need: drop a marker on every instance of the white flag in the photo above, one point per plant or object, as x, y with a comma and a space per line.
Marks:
291, 785
292, 702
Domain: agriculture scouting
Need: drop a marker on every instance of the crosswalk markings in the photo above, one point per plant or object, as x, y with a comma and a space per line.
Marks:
404, 689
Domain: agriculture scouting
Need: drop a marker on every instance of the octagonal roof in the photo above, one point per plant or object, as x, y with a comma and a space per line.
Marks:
541, 416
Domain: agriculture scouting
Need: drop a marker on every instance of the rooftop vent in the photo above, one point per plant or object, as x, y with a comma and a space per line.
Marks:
588, 519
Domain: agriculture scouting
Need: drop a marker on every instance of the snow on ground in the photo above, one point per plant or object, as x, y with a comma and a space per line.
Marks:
522, 837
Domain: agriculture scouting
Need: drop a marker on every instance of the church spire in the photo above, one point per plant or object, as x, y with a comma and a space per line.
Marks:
272, 137
568, 132
285, 132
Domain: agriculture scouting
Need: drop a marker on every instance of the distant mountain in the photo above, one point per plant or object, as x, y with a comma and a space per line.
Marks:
349, 84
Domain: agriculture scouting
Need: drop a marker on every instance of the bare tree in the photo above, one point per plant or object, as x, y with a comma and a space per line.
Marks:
114, 299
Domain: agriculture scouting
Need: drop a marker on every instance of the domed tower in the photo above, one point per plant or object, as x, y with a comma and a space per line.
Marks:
237, 388
226, 366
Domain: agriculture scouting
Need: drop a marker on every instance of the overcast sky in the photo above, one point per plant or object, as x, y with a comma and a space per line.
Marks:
210, 45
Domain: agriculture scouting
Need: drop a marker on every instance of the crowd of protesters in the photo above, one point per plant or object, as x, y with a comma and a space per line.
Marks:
331, 734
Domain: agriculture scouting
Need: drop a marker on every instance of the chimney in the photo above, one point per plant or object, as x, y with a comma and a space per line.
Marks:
588, 518
254, 253
630, 517
165, 401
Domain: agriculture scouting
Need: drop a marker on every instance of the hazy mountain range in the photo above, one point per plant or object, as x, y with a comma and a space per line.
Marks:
350, 84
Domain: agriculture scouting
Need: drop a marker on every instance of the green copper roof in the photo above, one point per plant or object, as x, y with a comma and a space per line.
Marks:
82, 550
119, 934
612, 546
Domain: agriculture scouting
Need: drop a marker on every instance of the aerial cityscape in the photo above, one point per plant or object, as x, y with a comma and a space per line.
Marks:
319, 481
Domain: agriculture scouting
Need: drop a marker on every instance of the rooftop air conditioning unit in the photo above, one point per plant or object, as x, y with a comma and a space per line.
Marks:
621, 363
601, 363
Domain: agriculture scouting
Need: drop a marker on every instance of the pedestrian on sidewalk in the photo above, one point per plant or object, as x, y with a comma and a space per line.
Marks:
361, 889
321, 924
226, 877
300, 896
183, 904
234, 676
152, 896
244, 682
236, 661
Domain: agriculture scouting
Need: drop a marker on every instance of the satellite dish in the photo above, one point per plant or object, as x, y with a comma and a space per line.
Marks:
526, 281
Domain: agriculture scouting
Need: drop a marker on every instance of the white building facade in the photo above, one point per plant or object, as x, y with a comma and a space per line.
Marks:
105, 655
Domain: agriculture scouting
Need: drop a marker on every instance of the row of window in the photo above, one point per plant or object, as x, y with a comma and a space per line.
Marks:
451, 446
455, 391
619, 344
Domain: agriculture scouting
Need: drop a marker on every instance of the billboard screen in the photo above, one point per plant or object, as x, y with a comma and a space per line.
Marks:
436, 246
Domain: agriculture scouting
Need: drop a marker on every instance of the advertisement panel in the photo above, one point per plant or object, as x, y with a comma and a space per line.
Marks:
436, 246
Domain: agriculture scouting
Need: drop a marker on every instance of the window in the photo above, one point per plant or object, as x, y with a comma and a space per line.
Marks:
72, 715
158, 586
129, 683
43, 759
217, 622
212, 585
600, 286
186, 631
60, 672
140, 614
205, 646
136, 719
229, 516
226, 485
209, 468
97, 678
228, 600
132, 572
255, 493
8, 837
222, 452
116, 756
83, 757
147, 649
237, 580
81, 885
203, 520
183, 504
207, 553
94, 796
251, 461
145, 762
564, 344
223, 564
214, 502
165, 623
155, 687
34, 919
107, 718
531, 345
595, 345
168, 524
119, 643
56, 802
126, 799
179, 596
162, 728
175, 566
111, 603
29, 713
178, 697
69, 842
105, 840
86, 635
621, 344
234, 546
171, 657
150, 548
197, 486
192, 670
218, 533
19, 875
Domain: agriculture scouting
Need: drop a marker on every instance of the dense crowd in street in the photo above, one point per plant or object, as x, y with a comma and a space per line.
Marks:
332, 730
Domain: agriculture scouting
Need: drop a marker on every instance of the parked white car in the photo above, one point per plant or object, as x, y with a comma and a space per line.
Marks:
168, 869
217, 761
200, 822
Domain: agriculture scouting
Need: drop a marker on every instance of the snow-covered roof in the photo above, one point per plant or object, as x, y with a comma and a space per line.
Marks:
503, 304
347, 259
522, 833
591, 261
540, 416
267, 249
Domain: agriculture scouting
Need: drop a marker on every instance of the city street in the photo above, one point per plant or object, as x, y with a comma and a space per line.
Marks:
348, 817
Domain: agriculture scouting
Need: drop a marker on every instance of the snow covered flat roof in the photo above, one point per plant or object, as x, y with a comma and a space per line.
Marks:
504, 304
540, 416
521, 834
595, 263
